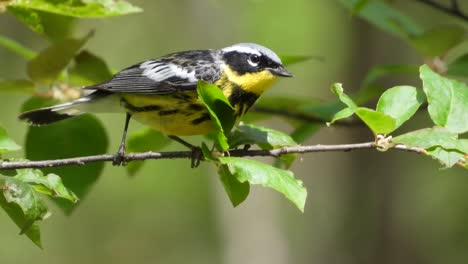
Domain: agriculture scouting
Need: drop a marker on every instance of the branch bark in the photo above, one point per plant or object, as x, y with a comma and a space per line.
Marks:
81, 161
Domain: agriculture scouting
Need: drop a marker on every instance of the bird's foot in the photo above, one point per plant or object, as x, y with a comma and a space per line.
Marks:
196, 157
119, 157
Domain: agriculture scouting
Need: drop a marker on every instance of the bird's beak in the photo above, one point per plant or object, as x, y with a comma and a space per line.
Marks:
281, 71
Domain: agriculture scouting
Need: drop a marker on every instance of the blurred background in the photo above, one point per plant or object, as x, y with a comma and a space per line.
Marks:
362, 207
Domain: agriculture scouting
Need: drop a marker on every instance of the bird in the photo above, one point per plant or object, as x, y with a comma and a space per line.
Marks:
162, 93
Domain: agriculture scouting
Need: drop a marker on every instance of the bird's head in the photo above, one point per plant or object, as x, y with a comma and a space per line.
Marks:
252, 66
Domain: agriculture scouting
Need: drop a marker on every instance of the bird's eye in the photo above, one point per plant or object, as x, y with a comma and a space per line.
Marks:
254, 59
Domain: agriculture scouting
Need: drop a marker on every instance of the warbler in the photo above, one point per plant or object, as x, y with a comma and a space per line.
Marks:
161, 93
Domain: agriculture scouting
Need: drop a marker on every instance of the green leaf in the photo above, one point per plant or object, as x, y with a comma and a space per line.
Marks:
439, 143
395, 107
436, 41
17, 215
89, 69
56, 27
430, 137
342, 114
237, 191
46, 67
6, 143
359, 5
385, 17
256, 172
337, 88
83, 9
448, 100
293, 59
459, 67
79, 136
448, 158
51, 184
17, 86
16, 47
207, 154
220, 110
37, 102
144, 140
400, 102
265, 138
378, 122
369, 90
29, 17
19, 195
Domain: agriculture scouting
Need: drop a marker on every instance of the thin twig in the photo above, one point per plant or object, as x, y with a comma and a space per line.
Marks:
454, 9
9, 165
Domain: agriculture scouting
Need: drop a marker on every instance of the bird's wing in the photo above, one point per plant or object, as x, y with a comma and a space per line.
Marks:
175, 73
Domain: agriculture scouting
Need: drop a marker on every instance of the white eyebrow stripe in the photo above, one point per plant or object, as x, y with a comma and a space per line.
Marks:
242, 49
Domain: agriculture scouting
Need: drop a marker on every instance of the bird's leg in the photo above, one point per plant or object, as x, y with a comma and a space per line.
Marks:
119, 157
197, 154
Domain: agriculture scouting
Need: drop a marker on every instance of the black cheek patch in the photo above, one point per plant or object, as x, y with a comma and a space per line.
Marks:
238, 62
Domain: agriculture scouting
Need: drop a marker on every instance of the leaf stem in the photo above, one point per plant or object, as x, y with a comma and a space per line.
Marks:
17, 48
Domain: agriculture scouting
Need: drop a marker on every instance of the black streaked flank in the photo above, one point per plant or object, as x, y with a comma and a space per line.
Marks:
203, 118
167, 112
196, 107
182, 96
241, 97
137, 109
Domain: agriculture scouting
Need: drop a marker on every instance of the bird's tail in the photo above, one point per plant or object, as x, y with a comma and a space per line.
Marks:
52, 114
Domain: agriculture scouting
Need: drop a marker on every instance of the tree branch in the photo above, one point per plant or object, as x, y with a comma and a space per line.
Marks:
9, 165
453, 10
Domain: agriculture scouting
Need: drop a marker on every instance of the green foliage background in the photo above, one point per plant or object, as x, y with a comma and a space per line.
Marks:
362, 207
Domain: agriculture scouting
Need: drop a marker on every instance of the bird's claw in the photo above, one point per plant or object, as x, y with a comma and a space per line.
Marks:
119, 158
196, 157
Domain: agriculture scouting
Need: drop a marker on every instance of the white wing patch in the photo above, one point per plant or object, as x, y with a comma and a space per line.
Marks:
159, 72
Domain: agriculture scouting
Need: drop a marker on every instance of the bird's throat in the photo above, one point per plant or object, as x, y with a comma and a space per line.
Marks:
256, 82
